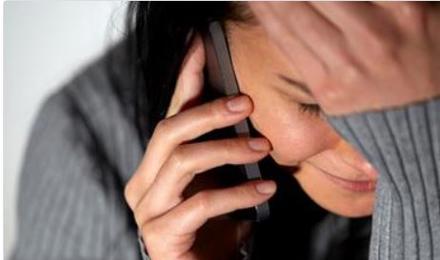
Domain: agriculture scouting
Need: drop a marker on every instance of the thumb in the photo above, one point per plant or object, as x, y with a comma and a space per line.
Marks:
190, 80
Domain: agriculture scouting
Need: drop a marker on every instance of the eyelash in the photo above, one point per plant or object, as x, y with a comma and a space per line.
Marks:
312, 109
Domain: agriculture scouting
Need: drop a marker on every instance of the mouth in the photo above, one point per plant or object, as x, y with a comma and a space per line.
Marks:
348, 184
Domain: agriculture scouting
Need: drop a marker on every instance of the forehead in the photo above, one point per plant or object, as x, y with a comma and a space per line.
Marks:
256, 57
252, 41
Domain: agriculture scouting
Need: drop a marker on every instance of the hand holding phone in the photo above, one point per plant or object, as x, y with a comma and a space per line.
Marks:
171, 223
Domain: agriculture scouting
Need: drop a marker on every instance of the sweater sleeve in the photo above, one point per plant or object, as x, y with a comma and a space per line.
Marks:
404, 145
69, 206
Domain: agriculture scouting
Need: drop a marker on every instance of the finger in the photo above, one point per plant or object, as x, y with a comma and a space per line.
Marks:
190, 215
410, 16
181, 128
315, 31
190, 81
353, 17
191, 159
308, 62
369, 32
433, 23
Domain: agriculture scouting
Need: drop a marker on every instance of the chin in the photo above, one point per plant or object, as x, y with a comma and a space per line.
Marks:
350, 208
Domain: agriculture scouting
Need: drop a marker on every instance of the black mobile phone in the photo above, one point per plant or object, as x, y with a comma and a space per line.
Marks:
220, 80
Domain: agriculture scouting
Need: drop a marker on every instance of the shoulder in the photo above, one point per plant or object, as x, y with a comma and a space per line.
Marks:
95, 109
105, 84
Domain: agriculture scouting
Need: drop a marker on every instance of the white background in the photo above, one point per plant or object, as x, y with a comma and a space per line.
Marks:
44, 44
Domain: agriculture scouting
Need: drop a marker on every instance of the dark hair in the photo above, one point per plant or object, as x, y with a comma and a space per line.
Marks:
160, 34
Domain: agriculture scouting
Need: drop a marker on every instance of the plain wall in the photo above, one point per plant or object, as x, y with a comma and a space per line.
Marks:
44, 44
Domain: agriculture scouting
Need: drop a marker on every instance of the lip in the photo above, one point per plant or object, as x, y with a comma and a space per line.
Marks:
354, 163
351, 185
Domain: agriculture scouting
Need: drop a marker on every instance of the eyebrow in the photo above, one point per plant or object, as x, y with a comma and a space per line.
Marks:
295, 83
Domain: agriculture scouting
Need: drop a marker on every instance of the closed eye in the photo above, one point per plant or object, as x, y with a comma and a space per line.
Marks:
313, 109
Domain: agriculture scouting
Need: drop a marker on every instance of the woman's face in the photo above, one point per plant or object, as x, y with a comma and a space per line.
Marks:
331, 172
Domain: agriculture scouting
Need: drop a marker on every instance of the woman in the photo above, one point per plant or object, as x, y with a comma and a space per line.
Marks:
329, 170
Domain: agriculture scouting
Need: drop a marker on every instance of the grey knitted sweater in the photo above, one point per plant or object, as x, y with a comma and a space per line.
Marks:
84, 147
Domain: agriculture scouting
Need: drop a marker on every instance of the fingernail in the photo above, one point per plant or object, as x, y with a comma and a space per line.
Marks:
267, 187
237, 104
259, 144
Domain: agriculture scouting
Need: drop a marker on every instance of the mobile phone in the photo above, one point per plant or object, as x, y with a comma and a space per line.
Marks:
220, 79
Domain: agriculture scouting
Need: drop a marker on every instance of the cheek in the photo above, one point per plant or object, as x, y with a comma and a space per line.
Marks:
294, 135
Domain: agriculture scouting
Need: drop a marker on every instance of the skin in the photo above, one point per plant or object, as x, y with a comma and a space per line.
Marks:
357, 57
299, 138
175, 226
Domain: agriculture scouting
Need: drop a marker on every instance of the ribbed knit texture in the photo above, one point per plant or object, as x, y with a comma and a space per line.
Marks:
83, 148
404, 144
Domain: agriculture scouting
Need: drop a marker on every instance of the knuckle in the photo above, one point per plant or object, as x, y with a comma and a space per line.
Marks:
178, 157
143, 211
414, 17
149, 234
233, 150
128, 194
320, 85
217, 110
322, 90
413, 12
202, 202
245, 192
348, 73
229, 146
164, 128
162, 125
138, 218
